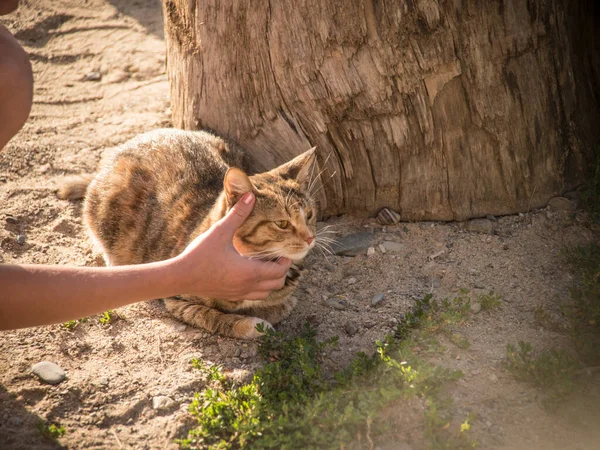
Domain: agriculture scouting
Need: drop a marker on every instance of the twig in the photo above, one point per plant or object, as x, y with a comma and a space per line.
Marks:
116, 437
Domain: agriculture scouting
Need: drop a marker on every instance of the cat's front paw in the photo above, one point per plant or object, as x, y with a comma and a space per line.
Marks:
247, 328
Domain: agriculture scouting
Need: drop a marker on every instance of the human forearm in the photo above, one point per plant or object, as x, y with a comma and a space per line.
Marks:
36, 295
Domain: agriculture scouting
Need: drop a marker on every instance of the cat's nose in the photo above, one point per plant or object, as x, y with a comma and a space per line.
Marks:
309, 239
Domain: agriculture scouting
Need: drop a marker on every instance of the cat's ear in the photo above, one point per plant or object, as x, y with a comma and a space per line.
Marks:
236, 184
300, 168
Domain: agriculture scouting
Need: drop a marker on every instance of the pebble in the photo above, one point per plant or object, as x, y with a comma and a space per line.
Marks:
493, 378
370, 251
93, 76
162, 402
475, 307
336, 303
377, 299
388, 216
436, 283
562, 204
478, 286
11, 220
351, 281
393, 247
350, 328
381, 248
479, 226
49, 372
353, 244
21, 239
491, 217
505, 247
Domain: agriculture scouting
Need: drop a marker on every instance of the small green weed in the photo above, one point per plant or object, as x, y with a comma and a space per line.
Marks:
107, 317
212, 372
72, 324
552, 370
51, 431
489, 301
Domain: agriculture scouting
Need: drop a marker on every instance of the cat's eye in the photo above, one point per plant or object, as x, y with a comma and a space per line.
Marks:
283, 224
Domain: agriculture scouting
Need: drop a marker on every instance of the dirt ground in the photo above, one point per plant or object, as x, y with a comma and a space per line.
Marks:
100, 79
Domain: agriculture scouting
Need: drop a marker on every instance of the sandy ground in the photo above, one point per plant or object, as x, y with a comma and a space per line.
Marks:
100, 79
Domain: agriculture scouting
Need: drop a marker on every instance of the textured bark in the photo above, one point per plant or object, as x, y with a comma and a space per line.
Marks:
438, 109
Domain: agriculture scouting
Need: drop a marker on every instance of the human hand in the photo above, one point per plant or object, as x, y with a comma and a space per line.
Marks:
8, 6
214, 268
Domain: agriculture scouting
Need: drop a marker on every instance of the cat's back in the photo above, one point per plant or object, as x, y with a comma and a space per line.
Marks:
151, 193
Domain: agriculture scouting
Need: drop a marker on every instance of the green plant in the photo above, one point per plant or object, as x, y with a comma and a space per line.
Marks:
489, 301
552, 370
584, 311
107, 317
293, 402
212, 372
72, 324
51, 431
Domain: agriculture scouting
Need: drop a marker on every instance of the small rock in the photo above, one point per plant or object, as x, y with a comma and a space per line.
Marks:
11, 220
377, 299
21, 239
49, 372
479, 226
493, 378
381, 248
488, 424
491, 217
93, 76
478, 286
573, 195
388, 217
436, 283
351, 281
505, 246
370, 251
350, 328
336, 303
562, 204
162, 402
353, 244
475, 307
393, 247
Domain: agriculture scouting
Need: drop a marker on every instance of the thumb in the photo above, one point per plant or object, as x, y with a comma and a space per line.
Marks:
238, 214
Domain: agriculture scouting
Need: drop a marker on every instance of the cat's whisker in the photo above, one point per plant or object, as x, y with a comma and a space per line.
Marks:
314, 180
314, 194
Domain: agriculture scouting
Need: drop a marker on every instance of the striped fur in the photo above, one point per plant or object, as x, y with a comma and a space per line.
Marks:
163, 188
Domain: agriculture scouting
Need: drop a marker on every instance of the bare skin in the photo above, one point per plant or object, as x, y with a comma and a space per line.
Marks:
38, 294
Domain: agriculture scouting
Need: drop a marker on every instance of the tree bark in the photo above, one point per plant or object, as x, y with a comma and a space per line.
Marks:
438, 109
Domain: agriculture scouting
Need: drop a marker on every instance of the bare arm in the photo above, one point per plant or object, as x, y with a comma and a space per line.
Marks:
37, 295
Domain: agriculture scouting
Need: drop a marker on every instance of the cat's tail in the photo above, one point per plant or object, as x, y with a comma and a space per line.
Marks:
74, 187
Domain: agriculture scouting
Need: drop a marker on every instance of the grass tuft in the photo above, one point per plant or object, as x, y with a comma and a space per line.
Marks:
51, 431
293, 402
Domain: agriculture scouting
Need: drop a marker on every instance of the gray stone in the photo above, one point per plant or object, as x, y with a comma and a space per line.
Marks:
377, 299
562, 204
21, 239
475, 307
392, 247
382, 248
353, 244
336, 303
480, 226
351, 281
162, 402
350, 328
370, 251
436, 283
93, 76
49, 372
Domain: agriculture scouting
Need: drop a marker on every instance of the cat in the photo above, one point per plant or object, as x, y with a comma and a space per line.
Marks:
163, 188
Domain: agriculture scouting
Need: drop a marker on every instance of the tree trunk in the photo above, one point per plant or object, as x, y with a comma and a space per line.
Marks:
438, 109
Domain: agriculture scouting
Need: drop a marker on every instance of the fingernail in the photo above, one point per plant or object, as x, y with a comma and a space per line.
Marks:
247, 198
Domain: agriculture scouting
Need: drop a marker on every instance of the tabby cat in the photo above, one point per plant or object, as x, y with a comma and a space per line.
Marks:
163, 188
